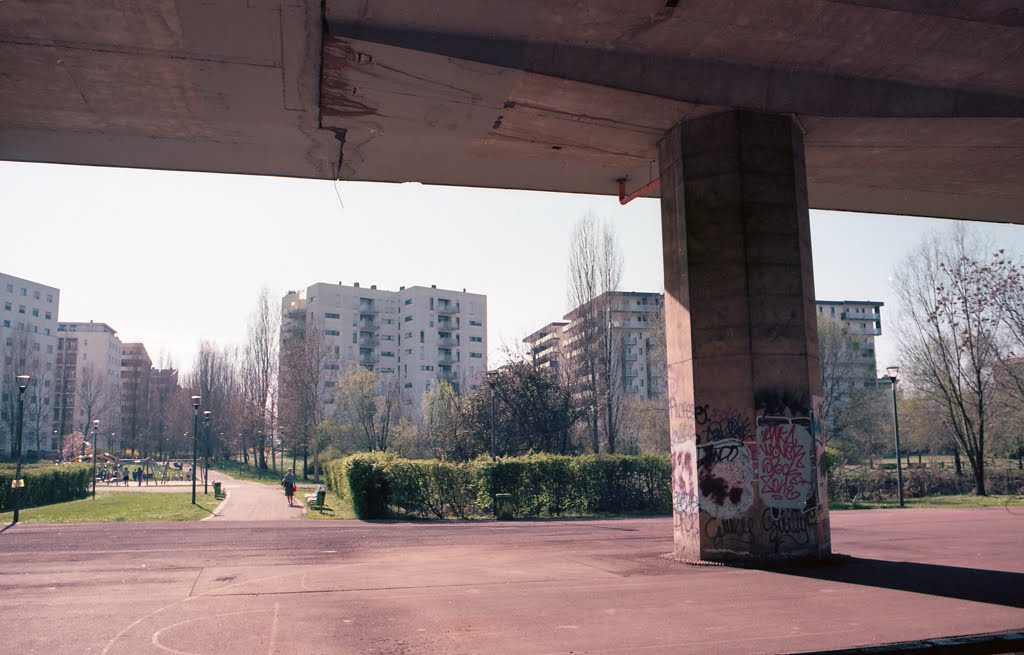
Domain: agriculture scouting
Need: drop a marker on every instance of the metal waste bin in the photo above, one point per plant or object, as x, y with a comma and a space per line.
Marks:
216, 489
503, 506
321, 496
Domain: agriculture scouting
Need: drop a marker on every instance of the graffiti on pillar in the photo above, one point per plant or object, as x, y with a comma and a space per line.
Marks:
684, 493
786, 528
785, 463
729, 534
725, 475
717, 424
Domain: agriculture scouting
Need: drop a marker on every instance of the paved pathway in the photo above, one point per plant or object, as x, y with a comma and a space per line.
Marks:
254, 501
486, 587
246, 501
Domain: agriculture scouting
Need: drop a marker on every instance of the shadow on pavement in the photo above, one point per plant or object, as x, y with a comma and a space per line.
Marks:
978, 585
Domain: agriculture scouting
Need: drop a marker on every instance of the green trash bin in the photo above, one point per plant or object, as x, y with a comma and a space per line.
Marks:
216, 489
503, 506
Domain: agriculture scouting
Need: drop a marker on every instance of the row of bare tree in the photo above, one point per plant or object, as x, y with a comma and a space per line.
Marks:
961, 374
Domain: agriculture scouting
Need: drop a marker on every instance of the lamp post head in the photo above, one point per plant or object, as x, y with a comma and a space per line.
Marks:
195, 402
206, 415
892, 371
23, 382
96, 424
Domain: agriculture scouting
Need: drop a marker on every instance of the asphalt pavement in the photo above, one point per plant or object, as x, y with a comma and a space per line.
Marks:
537, 587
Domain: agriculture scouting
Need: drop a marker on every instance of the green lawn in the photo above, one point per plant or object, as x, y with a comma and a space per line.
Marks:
934, 501
335, 507
250, 473
116, 506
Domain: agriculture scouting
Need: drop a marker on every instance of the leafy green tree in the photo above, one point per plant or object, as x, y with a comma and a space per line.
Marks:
533, 411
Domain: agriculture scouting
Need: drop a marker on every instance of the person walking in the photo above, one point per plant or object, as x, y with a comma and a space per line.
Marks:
288, 482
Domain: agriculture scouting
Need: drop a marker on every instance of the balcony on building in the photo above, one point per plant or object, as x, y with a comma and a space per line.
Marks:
368, 340
368, 324
446, 308
368, 307
447, 341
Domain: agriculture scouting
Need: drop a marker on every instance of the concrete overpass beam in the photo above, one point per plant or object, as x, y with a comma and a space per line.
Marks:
744, 381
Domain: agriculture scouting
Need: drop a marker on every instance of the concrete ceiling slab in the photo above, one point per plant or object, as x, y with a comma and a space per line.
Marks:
909, 106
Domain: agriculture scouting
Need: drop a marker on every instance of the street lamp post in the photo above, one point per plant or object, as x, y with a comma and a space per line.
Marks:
206, 451
17, 483
60, 453
195, 431
892, 371
95, 439
490, 383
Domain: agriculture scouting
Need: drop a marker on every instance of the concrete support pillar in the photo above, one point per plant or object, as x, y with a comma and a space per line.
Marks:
744, 382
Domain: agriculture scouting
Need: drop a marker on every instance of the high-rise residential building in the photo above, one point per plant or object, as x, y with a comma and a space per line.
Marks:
421, 334
545, 346
862, 320
88, 380
28, 345
135, 374
632, 320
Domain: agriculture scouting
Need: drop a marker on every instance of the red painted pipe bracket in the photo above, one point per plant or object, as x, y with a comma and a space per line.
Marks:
625, 199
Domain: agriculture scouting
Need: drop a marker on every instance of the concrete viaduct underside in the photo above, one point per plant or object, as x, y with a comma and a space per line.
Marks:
748, 113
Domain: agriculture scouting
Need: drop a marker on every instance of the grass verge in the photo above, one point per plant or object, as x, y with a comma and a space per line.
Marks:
335, 507
109, 507
966, 501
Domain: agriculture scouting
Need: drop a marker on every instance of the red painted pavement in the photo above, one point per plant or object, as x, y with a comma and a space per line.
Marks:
486, 587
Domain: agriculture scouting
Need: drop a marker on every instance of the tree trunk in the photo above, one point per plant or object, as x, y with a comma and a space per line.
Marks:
957, 462
305, 462
978, 466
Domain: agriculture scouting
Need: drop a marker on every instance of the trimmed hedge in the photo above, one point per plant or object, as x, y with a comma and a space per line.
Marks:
45, 485
382, 485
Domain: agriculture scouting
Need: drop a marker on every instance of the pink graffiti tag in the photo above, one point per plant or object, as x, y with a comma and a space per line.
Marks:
783, 464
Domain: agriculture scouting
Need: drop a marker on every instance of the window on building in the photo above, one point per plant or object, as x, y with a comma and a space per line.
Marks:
49, 297
7, 306
408, 318
332, 333
35, 312
35, 295
24, 291
408, 301
473, 323
21, 309
387, 353
331, 315
10, 288
426, 367
49, 316
476, 355
7, 324
354, 337
421, 336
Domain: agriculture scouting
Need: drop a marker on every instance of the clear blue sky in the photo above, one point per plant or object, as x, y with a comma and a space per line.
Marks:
171, 258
